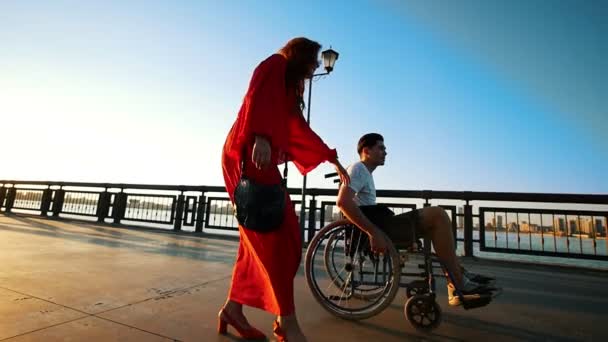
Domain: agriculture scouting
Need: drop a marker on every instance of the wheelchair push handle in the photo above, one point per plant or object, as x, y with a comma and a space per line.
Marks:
333, 175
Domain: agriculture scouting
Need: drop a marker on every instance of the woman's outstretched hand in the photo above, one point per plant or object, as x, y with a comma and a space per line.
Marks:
344, 177
261, 152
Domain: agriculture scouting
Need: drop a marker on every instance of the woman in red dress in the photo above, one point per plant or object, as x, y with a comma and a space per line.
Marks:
271, 129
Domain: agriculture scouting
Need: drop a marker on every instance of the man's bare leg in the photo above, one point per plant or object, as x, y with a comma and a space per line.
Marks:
436, 222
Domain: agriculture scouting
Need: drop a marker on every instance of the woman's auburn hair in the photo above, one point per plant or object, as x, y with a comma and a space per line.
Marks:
300, 53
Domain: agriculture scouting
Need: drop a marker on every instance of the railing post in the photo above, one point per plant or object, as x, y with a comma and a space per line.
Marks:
312, 222
58, 201
103, 206
10, 199
200, 219
120, 206
302, 220
2, 195
47, 196
322, 215
606, 231
468, 230
179, 212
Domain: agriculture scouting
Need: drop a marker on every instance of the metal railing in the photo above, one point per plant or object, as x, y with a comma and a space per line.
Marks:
563, 227
560, 233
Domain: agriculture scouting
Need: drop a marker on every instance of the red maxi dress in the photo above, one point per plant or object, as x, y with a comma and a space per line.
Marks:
267, 263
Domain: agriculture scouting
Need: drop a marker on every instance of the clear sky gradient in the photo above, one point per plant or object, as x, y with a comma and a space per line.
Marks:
470, 95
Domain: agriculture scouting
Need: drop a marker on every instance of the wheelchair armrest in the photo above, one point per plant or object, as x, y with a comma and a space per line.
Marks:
331, 175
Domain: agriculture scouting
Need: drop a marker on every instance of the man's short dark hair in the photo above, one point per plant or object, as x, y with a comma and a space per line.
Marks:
368, 140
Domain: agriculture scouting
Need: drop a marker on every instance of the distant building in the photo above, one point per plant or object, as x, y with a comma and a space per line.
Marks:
585, 225
499, 222
599, 227
329, 212
460, 210
332, 213
560, 225
528, 227
337, 216
573, 227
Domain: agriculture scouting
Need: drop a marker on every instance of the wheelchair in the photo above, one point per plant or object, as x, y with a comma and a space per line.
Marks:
351, 282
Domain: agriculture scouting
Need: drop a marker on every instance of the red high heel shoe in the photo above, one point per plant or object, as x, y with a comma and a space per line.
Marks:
278, 332
249, 334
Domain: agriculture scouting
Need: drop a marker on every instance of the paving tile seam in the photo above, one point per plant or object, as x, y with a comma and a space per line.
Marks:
46, 300
43, 328
163, 294
136, 328
87, 314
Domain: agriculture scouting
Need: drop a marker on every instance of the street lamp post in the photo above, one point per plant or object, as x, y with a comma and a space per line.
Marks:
329, 59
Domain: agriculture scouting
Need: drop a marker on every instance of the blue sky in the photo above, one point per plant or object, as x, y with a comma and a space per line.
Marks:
470, 95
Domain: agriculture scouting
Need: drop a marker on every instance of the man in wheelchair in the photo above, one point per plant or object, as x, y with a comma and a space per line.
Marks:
357, 201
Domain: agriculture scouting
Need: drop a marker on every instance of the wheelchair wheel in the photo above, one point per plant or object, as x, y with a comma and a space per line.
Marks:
345, 277
334, 259
416, 287
423, 312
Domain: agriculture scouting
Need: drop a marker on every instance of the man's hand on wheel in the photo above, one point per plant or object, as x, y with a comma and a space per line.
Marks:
378, 241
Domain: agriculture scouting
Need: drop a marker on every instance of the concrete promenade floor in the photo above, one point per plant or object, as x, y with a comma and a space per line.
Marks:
75, 281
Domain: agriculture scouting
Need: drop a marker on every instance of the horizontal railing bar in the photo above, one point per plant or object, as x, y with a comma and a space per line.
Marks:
30, 189
77, 213
130, 194
82, 192
24, 208
127, 219
236, 229
496, 196
201, 188
476, 196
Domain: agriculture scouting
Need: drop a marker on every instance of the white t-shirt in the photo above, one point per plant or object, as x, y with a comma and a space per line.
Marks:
362, 183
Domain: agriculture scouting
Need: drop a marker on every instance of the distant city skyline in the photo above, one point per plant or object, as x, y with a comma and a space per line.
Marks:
595, 225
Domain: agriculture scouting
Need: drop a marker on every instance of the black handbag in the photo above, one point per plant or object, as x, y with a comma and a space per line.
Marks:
259, 207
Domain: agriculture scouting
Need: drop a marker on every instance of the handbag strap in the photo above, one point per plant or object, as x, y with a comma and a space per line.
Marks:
244, 155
